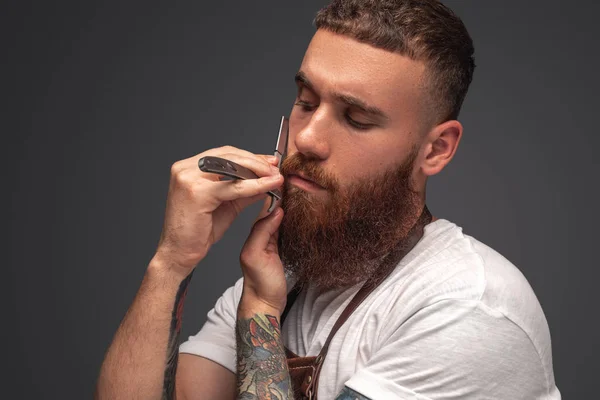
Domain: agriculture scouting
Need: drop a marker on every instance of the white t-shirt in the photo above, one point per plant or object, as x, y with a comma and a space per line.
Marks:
454, 320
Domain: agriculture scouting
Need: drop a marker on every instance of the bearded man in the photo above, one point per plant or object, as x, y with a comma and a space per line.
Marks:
352, 289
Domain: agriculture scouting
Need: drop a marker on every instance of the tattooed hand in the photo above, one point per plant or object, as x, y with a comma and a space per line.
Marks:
262, 371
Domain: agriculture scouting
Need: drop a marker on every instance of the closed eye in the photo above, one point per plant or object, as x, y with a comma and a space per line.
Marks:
306, 106
356, 124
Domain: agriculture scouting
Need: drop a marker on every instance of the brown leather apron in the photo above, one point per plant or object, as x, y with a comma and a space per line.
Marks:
305, 371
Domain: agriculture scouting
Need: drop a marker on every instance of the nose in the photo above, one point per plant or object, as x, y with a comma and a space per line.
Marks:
312, 138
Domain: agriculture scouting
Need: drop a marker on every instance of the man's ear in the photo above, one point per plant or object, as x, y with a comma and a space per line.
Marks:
440, 145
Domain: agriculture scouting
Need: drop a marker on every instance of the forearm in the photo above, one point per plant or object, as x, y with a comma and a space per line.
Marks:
262, 369
142, 359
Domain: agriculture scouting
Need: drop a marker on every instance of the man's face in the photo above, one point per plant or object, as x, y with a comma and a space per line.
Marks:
355, 132
349, 141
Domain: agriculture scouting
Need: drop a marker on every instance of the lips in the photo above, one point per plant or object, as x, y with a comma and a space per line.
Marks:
301, 175
301, 179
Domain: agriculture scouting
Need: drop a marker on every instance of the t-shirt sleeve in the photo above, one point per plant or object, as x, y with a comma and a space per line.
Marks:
216, 338
454, 349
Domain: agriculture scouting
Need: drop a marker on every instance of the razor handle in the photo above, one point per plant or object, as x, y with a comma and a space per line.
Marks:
230, 171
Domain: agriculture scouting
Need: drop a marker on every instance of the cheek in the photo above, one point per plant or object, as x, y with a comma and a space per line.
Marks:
363, 160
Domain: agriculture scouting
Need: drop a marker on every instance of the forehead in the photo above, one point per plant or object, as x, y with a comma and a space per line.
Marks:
340, 63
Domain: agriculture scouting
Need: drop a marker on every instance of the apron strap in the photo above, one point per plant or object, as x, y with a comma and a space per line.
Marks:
291, 298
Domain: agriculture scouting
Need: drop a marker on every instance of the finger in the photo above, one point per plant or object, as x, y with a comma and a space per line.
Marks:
272, 160
243, 188
241, 152
262, 234
272, 245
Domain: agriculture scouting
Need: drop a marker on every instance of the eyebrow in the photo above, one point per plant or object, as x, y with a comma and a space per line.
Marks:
302, 80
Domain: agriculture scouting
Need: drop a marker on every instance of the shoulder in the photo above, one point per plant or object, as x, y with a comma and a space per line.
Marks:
509, 296
453, 314
456, 285
448, 268
448, 264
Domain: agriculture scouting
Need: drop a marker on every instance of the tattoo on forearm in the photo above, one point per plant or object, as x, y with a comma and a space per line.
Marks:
172, 350
261, 362
349, 394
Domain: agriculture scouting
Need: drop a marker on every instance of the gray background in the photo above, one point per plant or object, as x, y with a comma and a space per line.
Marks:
102, 98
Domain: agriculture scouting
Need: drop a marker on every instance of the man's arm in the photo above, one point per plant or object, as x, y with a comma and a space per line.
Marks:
262, 365
201, 378
142, 359
261, 361
262, 370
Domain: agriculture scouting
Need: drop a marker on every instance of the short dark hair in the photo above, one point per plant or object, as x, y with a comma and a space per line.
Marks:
423, 30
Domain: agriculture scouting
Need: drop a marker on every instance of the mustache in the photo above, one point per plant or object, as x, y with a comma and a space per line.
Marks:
298, 163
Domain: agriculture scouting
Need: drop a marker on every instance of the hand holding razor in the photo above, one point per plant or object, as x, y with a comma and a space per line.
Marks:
231, 170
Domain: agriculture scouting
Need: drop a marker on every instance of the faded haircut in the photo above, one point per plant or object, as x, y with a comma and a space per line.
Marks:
423, 30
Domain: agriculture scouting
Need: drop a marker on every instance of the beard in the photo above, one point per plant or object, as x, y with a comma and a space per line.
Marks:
343, 238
